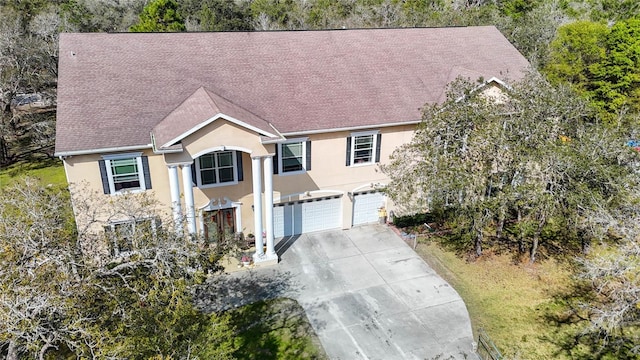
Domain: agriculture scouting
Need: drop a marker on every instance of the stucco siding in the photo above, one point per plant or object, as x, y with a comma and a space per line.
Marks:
329, 174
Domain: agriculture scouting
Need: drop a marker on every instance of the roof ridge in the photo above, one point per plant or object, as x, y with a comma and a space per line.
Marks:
210, 92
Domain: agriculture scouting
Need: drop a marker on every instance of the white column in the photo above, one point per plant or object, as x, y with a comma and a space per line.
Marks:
257, 204
187, 183
201, 220
174, 186
238, 218
268, 206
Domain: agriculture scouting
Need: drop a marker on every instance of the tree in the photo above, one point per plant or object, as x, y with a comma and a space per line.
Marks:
613, 10
617, 76
536, 157
221, 15
160, 16
576, 48
72, 291
38, 270
612, 272
601, 63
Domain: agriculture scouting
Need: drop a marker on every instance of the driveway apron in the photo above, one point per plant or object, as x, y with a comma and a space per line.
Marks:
368, 295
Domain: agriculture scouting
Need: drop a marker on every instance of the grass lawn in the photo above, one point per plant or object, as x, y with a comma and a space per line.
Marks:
48, 171
514, 302
275, 329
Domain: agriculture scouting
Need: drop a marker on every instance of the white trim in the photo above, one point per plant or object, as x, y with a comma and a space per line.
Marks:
372, 186
364, 133
103, 150
187, 182
121, 156
176, 207
485, 84
220, 148
308, 195
303, 142
268, 204
112, 186
374, 143
498, 81
212, 119
256, 173
111, 224
224, 203
217, 184
272, 141
219, 204
352, 128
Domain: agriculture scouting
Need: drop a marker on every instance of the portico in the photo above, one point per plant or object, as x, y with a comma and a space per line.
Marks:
183, 204
256, 164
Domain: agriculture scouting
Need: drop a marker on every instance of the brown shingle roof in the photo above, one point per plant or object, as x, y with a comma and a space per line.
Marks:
113, 89
196, 110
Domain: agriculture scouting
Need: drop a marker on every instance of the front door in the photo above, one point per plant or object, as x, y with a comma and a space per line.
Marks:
219, 224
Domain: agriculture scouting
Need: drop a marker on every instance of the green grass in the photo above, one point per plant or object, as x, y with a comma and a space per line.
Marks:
48, 171
514, 302
275, 329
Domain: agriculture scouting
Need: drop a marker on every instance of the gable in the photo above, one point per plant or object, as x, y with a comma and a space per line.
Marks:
220, 135
200, 109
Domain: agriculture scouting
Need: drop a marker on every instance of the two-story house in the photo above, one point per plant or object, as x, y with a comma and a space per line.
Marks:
275, 133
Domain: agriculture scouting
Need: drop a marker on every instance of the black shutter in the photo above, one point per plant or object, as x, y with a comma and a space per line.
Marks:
104, 176
349, 151
145, 172
378, 142
239, 164
276, 160
308, 165
194, 181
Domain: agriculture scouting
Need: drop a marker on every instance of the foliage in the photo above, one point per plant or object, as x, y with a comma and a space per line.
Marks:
413, 220
72, 293
613, 10
601, 63
513, 302
534, 158
46, 171
222, 15
38, 269
160, 16
28, 66
576, 48
274, 329
612, 271
538, 165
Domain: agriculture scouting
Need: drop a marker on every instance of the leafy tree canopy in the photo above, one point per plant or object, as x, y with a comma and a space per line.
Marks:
535, 159
601, 63
65, 293
160, 16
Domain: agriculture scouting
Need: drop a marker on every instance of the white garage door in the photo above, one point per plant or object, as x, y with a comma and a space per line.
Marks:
305, 216
365, 207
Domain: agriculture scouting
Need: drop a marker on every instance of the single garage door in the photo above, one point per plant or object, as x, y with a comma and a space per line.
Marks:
365, 207
304, 216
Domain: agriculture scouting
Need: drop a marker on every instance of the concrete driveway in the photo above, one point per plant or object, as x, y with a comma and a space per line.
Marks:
367, 295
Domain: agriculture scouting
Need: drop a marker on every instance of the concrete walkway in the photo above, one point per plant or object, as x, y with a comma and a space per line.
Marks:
367, 295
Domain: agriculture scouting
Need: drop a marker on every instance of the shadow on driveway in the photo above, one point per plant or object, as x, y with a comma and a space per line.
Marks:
366, 293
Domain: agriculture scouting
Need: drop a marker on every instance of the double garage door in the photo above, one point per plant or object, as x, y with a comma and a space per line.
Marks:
304, 216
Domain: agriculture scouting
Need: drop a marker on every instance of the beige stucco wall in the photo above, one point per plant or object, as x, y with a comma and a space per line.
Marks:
85, 184
328, 175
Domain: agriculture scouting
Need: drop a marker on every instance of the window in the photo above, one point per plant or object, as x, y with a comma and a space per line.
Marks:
124, 172
218, 168
293, 156
363, 148
130, 235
